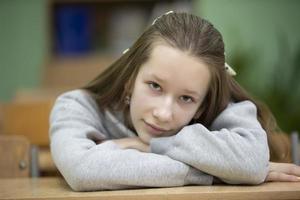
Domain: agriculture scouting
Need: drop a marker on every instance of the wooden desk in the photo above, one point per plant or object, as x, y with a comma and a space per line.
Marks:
56, 188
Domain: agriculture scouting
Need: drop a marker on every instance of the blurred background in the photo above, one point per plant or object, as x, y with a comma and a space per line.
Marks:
50, 46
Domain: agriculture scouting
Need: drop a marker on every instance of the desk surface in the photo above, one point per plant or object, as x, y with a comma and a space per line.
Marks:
56, 188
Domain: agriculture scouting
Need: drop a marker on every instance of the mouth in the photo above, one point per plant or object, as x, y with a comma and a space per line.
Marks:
154, 130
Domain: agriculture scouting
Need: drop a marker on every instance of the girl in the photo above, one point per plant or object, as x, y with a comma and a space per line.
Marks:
166, 113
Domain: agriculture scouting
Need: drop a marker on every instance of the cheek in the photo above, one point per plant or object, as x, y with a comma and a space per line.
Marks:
142, 97
183, 117
140, 102
139, 98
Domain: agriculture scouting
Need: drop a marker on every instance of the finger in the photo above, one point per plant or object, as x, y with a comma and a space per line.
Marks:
281, 177
293, 170
289, 168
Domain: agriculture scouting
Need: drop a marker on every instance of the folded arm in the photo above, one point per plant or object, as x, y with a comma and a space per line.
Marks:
235, 149
89, 160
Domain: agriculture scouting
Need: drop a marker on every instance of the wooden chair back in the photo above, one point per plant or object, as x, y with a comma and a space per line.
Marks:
14, 156
30, 119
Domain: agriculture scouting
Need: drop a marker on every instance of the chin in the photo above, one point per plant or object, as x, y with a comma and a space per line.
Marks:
145, 138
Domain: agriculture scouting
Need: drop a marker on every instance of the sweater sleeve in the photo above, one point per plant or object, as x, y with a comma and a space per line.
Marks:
235, 149
87, 165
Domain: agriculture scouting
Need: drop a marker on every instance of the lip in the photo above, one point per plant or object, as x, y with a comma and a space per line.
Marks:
154, 130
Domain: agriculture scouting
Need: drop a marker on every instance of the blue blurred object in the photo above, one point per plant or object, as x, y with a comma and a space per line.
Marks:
73, 30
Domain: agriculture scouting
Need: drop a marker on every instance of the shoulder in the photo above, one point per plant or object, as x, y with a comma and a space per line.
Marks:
79, 95
76, 94
78, 100
242, 107
243, 113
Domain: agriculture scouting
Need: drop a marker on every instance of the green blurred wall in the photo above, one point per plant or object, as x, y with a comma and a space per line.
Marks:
253, 28
262, 42
250, 27
22, 44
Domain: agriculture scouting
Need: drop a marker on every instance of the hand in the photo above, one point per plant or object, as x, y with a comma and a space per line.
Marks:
283, 172
132, 143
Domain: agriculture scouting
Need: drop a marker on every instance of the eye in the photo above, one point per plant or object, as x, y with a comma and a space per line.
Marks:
186, 99
154, 86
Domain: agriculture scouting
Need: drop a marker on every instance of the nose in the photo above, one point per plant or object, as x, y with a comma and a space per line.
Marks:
163, 111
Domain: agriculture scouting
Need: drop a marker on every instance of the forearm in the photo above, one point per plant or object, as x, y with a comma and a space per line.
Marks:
106, 166
221, 158
237, 152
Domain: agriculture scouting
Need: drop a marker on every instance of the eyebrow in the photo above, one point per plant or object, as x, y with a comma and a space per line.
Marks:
185, 90
192, 93
157, 78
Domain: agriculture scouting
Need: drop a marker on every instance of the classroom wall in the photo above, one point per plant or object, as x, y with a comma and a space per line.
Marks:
262, 42
250, 28
254, 29
22, 45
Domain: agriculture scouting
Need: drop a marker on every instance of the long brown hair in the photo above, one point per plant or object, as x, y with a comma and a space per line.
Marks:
200, 39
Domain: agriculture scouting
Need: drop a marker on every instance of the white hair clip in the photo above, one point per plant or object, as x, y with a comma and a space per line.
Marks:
229, 70
169, 12
125, 51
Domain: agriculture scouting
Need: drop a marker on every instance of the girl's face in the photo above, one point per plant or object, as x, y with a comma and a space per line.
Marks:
167, 92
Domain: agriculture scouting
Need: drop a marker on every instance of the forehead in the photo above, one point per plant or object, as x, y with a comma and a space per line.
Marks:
177, 68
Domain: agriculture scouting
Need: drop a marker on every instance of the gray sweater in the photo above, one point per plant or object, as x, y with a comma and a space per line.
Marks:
234, 149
